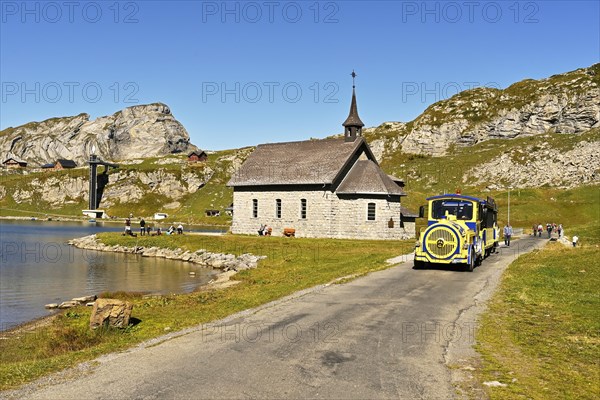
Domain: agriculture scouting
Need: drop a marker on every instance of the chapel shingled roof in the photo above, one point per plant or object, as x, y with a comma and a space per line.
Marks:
366, 177
307, 162
353, 118
407, 213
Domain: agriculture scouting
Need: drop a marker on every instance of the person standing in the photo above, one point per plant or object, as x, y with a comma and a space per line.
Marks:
128, 226
560, 230
540, 229
142, 227
508, 231
575, 240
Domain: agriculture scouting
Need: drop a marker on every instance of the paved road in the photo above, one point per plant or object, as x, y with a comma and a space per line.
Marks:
380, 336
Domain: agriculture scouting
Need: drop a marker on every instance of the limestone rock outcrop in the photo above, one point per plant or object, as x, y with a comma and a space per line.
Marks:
110, 313
568, 103
124, 186
523, 168
140, 131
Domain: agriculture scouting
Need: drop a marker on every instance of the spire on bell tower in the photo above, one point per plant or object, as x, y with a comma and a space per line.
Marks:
353, 125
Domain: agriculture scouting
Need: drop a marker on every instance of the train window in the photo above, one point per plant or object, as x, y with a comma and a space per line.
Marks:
491, 218
463, 210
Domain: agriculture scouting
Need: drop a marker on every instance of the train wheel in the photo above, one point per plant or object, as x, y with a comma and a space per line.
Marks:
418, 265
471, 265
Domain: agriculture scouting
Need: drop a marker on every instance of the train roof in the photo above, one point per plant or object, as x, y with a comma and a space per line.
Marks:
489, 200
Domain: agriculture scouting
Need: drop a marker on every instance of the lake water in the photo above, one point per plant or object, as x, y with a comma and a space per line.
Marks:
37, 267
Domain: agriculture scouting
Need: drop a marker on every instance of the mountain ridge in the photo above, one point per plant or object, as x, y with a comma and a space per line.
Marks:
147, 130
564, 103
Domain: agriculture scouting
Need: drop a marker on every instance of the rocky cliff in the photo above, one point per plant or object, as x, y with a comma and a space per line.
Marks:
124, 186
143, 186
140, 131
568, 103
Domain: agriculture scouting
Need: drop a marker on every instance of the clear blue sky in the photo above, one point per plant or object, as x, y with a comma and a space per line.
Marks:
231, 71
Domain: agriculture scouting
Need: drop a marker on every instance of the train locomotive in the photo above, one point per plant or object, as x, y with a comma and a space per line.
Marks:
461, 231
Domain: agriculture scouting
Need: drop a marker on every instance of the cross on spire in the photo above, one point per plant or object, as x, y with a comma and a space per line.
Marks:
353, 76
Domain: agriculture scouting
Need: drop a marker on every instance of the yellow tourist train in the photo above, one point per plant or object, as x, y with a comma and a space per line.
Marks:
461, 230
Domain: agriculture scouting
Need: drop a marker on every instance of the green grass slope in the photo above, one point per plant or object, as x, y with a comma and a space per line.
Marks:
213, 195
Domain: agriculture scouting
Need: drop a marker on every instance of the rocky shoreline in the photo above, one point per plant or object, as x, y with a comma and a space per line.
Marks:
229, 264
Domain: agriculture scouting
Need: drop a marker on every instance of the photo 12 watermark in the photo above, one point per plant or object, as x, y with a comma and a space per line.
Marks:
69, 92
442, 332
55, 253
254, 12
431, 92
422, 332
54, 12
269, 92
452, 12
262, 332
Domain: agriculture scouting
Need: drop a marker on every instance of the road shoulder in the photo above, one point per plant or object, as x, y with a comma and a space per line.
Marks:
460, 356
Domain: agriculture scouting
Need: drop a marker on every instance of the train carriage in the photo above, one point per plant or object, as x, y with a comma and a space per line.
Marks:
461, 230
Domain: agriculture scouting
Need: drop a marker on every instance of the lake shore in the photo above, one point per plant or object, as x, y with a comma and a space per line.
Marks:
202, 257
38, 269
49, 217
30, 326
292, 265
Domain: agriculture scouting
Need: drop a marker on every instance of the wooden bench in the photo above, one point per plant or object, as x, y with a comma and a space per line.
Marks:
289, 232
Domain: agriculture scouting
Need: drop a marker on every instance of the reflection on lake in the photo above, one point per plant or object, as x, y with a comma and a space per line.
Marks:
37, 267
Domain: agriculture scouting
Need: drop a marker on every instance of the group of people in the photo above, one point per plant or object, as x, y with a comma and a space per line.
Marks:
171, 230
146, 229
264, 230
553, 228
550, 228
537, 230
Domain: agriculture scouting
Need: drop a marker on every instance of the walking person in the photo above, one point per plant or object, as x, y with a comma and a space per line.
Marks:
575, 240
142, 227
540, 229
508, 231
560, 230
